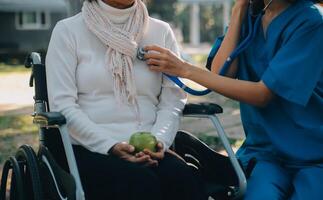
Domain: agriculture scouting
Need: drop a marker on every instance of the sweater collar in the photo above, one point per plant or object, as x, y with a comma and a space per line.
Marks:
116, 15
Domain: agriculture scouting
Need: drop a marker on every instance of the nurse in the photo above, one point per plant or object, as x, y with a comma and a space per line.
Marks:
278, 81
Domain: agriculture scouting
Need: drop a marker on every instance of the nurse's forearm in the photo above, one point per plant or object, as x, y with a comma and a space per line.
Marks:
230, 41
254, 93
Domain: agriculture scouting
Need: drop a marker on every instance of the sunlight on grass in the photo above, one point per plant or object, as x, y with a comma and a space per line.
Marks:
5, 69
14, 132
200, 59
12, 125
215, 142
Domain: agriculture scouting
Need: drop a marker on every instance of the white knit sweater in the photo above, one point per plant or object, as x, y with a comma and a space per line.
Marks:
81, 87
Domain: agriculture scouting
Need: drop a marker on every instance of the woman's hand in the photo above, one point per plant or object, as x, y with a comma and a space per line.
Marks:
126, 152
158, 155
163, 60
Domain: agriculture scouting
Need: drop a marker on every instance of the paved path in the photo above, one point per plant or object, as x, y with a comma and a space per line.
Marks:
15, 94
16, 98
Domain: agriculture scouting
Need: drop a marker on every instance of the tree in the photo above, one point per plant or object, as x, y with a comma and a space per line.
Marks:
211, 22
74, 6
162, 9
211, 16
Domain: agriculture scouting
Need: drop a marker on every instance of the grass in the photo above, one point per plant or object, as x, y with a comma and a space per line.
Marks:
215, 142
5, 69
200, 59
15, 131
11, 125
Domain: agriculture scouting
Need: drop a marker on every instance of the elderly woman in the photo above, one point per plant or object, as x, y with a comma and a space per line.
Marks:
278, 80
107, 94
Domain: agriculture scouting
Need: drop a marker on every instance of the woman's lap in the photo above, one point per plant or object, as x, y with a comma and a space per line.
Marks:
108, 177
179, 180
111, 177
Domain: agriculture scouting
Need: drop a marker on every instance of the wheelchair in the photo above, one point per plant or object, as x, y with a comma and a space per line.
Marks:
52, 173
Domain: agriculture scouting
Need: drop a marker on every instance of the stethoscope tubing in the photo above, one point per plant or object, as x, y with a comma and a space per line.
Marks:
243, 45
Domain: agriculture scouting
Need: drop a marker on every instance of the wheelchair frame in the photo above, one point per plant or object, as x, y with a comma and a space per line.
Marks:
45, 119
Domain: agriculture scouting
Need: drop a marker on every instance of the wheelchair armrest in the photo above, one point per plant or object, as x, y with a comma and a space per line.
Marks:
202, 109
49, 119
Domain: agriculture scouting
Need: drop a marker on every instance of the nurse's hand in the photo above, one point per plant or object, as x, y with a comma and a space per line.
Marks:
240, 8
242, 3
163, 60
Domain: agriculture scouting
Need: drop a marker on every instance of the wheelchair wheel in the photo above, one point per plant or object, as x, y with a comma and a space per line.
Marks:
16, 188
30, 172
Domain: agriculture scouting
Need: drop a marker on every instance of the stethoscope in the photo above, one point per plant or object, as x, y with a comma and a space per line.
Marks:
254, 21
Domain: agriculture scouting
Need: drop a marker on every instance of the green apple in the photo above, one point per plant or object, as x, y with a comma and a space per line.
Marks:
143, 140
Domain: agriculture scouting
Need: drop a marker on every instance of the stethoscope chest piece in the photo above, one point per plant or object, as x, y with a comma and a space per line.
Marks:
141, 54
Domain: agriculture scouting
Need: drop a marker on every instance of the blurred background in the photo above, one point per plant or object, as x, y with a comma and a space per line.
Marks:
26, 25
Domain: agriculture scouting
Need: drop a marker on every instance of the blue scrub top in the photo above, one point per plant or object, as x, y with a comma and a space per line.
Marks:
289, 60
